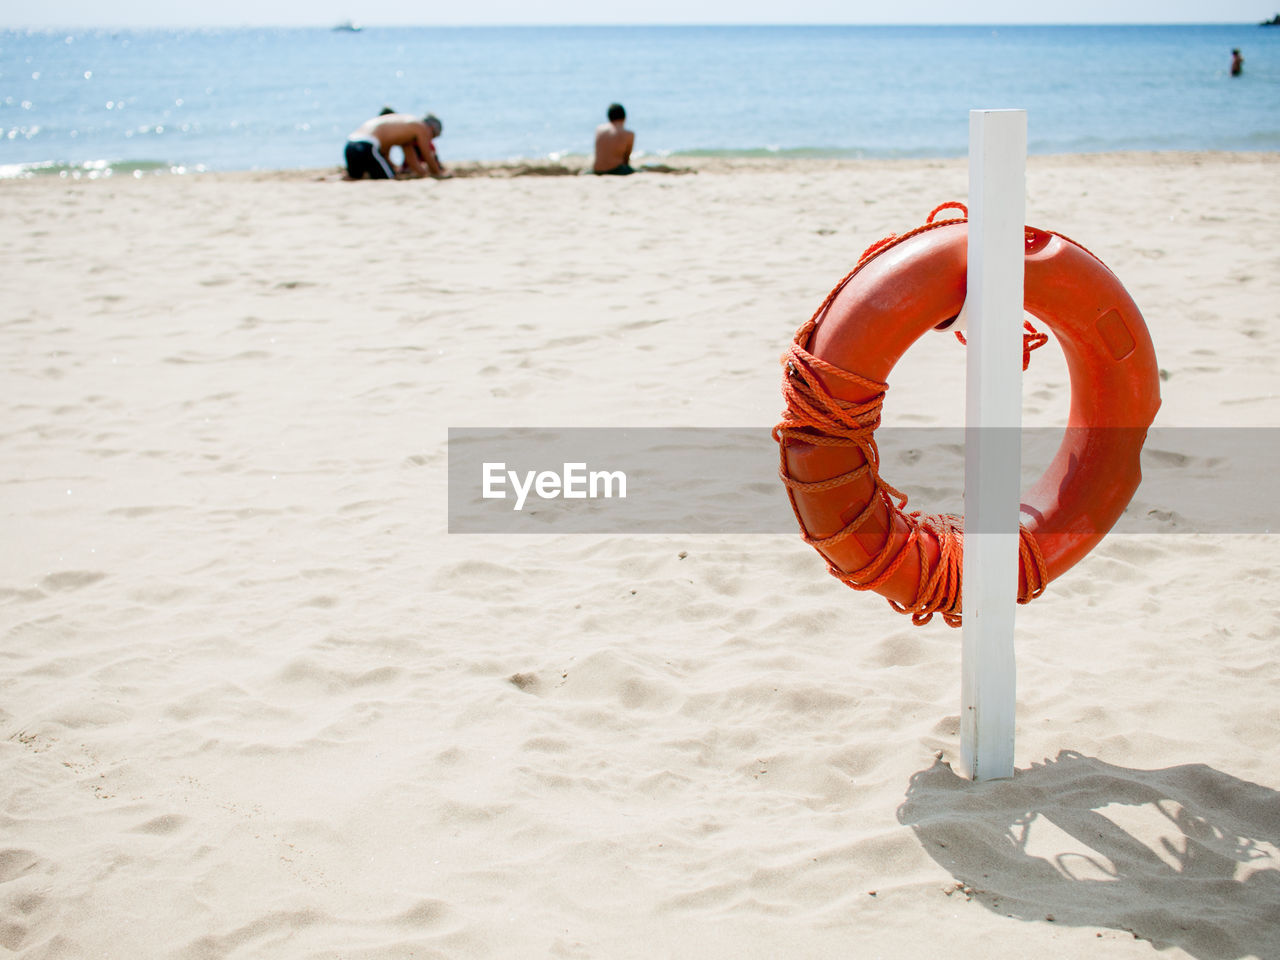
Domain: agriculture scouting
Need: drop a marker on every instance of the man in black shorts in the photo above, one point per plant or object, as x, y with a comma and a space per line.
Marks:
369, 146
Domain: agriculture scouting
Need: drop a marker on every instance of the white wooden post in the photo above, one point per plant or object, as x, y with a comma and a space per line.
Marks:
993, 423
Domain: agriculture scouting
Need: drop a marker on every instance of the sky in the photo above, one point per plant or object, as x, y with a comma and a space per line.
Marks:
142, 13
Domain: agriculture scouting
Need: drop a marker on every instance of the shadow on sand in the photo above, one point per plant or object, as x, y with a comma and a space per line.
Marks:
1185, 857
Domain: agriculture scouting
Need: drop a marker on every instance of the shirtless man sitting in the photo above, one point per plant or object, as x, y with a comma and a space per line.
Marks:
613, 143
369, 146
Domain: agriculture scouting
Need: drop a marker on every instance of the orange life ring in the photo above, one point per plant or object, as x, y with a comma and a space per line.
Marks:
834, 386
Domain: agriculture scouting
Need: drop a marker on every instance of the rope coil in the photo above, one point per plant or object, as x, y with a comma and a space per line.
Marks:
814, 416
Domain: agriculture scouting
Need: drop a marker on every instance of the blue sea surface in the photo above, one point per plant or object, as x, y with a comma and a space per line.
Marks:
238, 99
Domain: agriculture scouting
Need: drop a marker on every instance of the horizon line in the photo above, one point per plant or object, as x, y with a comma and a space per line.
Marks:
363, 25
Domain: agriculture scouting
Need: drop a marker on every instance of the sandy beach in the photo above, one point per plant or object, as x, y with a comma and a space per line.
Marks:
256, 701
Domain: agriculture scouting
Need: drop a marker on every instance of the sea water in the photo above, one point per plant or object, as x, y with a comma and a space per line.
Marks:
91, 102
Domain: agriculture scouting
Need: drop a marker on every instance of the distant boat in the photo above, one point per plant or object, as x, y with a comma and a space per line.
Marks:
346, 26
1273, 22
